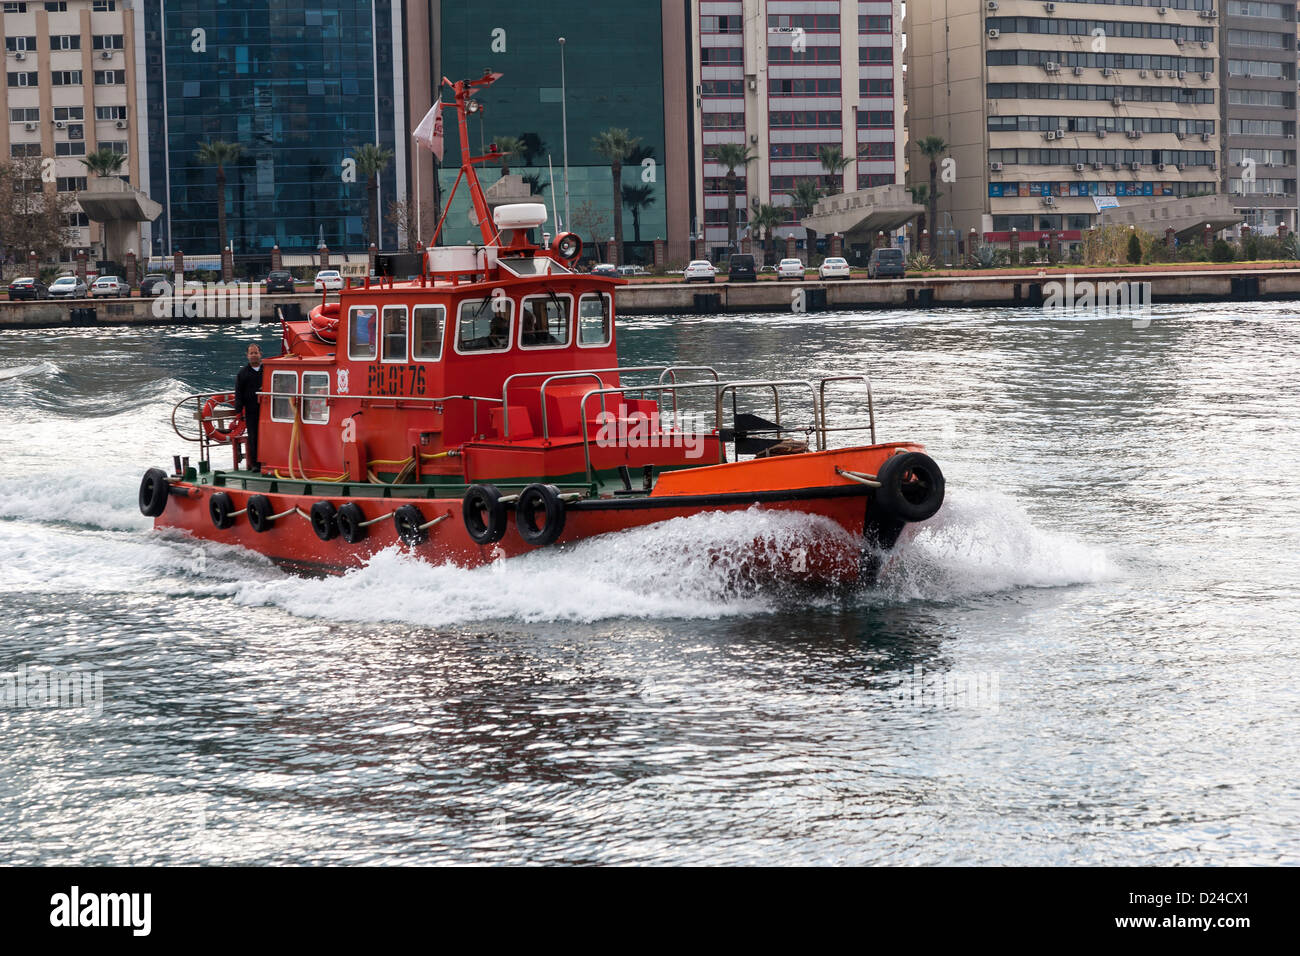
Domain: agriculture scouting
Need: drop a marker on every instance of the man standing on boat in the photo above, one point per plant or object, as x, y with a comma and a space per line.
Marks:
247, 384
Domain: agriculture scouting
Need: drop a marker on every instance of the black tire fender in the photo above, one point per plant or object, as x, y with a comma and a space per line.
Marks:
478, 501
407, 519
325, 520
350, 520
260, 511
154, 489
547, 499
220, 507
911, 486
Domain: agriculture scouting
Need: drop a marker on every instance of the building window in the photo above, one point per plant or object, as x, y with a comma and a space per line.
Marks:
110, 77
76, 131
71, 184
111, 41
15, 8
116, 145
25, 115
66, 78
875, 119
722, 120
21, 150
110, 112
870, 24
805, 119
808, 22
875, 87
104, 6
722, 88
875, 54
429, 320
24, 79
65, 41
76, 220
58, 6
722, 56
724, 24
66, 113
803, 87
19, 44
882, 150
70, 148
718, 184
810, 54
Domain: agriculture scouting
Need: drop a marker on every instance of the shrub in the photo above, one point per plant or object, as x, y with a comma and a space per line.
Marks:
1222, 251
1134, 248
920, 262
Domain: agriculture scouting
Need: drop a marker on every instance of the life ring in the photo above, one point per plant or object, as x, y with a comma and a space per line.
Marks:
481, 501
911, 486
215, 432
154, 488
324, 321
545, 498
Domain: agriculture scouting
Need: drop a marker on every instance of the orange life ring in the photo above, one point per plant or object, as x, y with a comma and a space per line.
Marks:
214, 431
325, 322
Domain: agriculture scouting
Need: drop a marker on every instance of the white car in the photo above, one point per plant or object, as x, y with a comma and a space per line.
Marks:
329, 280
108, 286
699, 270
789, 269
67, 287
835, 267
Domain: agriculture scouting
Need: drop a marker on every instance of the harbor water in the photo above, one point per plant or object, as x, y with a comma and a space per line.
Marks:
1088, 657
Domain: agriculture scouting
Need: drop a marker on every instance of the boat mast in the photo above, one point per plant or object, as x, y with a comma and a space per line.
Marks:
464, 91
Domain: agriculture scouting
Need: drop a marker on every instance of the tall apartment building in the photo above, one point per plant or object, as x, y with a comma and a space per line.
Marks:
1258, 44
786, 78
69, 88
1054, 111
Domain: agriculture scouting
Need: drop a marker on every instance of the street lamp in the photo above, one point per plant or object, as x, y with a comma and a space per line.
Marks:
564, 125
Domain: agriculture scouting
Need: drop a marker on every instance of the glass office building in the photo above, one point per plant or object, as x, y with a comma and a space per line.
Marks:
614, 77
299, 89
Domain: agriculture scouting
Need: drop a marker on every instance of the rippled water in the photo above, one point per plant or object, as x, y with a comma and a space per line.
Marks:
1110, 594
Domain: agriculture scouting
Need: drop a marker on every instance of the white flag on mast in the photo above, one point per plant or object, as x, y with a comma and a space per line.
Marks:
429, 133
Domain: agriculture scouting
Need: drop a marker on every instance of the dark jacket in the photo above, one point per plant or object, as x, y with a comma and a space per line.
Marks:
247, 384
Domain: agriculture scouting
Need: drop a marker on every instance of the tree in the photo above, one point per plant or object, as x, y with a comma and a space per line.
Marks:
920, 196
507, 147
834, 162
35, 218
636, 198
805, 195
104, 162
1134, 248
220, 153
765, 218
732, 156
586, 216
402, 215
613, 145
535, 184
531, 146
933, 147
372, 159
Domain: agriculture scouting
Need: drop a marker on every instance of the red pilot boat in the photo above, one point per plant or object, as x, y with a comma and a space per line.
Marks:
479, 412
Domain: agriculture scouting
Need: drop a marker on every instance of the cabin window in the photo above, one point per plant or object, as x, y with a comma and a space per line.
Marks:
484, 324
427, 344
394, 333
315, 405
594, 322
284, 388
362, 329
544, 321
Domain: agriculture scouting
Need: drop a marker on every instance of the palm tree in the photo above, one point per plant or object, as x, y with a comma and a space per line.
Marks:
535, 184
765, 218
933, 147
104, 162
834, 162
531, 146
636, 198
372, 159
805, 195
920, 196
732, 156
614, 144
220, 153
508, 146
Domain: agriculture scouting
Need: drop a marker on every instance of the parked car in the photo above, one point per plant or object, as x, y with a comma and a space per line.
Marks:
833, 267
328, 280
789, 269
109, 286
277, 282
67, 287
700, 270
604, 269
767, 269
632, 271
741, 268
156, 283
28, 289
884, 263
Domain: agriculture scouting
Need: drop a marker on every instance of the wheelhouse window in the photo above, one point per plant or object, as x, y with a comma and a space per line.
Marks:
363, 321
315, 410
427, 342
284, 387
544, 321
595, 324
483, 325
394, 333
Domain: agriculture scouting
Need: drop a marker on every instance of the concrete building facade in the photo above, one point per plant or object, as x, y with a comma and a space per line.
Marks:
786, 78
70, 90
1055, 111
